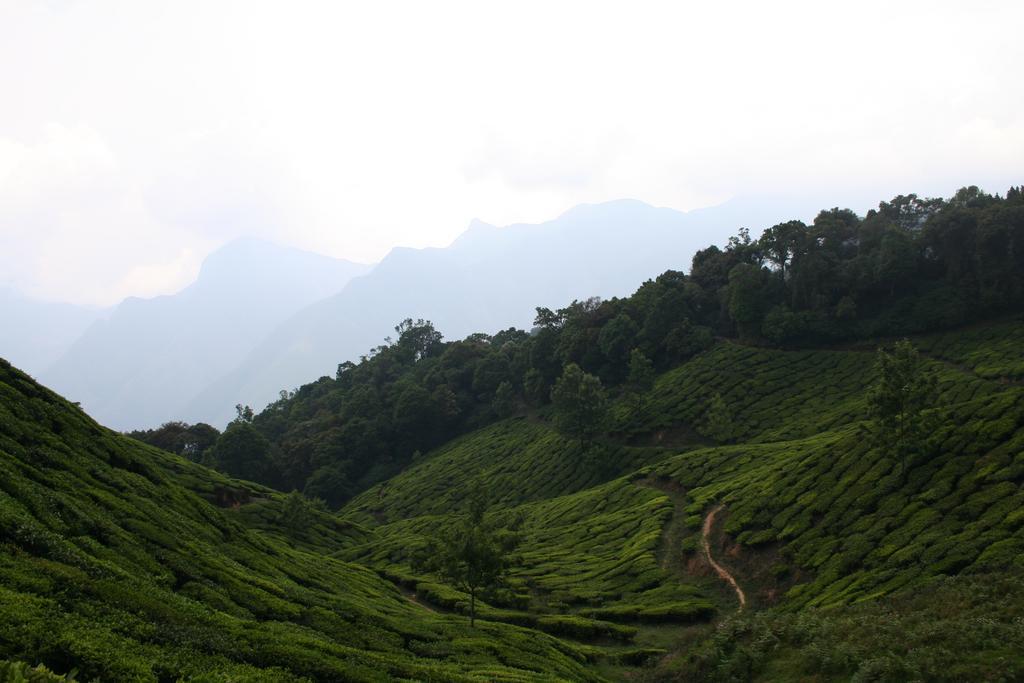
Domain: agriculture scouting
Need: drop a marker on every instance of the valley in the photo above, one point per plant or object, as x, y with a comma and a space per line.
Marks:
641, 489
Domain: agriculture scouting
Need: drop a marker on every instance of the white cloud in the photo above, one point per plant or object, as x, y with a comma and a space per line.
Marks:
133, 133
74, 226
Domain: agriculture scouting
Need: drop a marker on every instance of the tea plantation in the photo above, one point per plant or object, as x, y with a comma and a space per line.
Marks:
815, 520
119, 562
124, 562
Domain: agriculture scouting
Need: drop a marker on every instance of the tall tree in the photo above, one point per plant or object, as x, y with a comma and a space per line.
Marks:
580, 404
781, 243
749, 298
898, 402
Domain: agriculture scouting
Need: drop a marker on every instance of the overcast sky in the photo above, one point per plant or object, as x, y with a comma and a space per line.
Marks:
137, 136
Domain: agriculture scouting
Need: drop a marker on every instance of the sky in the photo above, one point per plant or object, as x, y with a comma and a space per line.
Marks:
137, 136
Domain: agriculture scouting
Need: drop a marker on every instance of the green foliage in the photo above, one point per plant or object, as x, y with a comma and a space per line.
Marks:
718, 421
535, 388
241, 451
641, 376
835, 520
470, 555
953, 629
616, 338
749, 298
126, 562
580, 404
297, 512
20, 672
190, 441
504, 402
898, 400
129, 563
911, 266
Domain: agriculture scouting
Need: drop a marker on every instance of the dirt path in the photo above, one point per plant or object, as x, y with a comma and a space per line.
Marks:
412, 597
723, 573
670, 558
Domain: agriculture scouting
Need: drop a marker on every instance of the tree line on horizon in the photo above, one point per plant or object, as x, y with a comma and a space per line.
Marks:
913, 265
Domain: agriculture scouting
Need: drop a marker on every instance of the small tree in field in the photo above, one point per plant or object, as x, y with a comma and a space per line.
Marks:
897, 403
471, 555
580, 404
719, 423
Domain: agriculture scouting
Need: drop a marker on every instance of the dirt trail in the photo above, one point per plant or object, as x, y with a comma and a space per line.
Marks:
709, 523
414, 599
670, 558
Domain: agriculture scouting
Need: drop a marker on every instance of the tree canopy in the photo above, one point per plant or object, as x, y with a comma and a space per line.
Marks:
897, 402
911, 265
580, 404
471, 555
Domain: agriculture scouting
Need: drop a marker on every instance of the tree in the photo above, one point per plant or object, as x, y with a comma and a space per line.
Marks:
749, 297
504, 402
781, 243
417, 340
718, 420
641, 376
244, 413
190, 441
897, 403
580, 404
616, 338
534, 387
296, 513
242, 452
471, 555
330, 483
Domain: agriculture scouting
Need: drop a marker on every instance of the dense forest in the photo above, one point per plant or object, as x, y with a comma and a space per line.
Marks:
913, 265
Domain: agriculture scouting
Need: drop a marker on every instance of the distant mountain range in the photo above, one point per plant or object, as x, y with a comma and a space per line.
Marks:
34, 334
489, 279
142, 364
261, 317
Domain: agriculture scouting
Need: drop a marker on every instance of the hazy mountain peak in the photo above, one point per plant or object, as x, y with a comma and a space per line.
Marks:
614, 207
250, 258
138, 367
476, 231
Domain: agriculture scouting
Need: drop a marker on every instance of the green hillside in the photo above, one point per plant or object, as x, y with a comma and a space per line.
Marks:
720, 477
127, 563
813, 516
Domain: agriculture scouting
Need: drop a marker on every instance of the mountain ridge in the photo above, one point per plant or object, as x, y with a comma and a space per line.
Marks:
489, 278
136, 367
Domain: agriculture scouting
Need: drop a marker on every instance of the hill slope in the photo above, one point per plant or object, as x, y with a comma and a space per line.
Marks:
811, 517
117, 562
